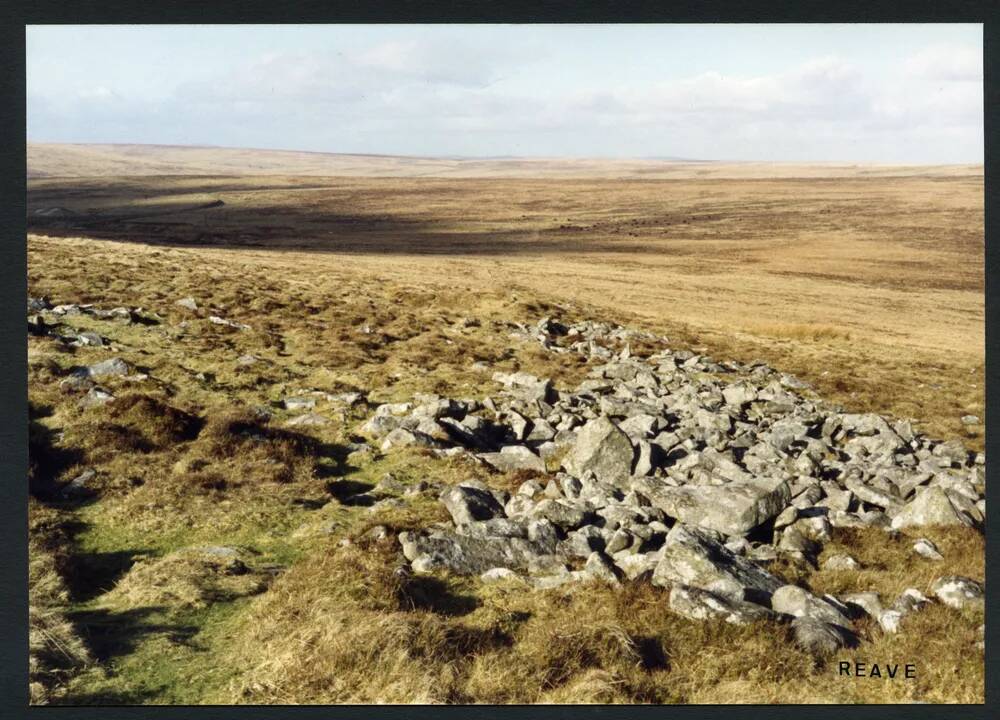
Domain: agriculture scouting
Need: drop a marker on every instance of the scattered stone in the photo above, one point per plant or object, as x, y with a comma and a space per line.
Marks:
869, 602
603, 449
299, 403
501, 574
96, 396
216, 320
841, 562
821, 638
931, 506
793, 600
87, 339
188, 303
958, 592
691, 557
307, 420
79, 487
734, 508
468, 504
691, 602
512, 458
468, 555
927, 549
889, 620
110, 367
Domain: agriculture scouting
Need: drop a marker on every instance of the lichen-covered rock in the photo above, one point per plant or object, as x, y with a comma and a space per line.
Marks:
512, 458
691, 557
820, 638
602, 449
700, 604
468, 555
795, 601
468, 504
958, 592
734, 508
930, 506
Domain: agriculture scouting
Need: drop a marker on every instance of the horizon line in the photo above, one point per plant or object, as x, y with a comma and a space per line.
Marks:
607, 158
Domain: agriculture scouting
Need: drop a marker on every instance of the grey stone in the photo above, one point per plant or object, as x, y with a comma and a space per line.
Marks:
600, 568
111, 366
525, 386
869, 602
890, 620
910, 600
691, 557
733, 508
512, 458
604, 450
697, 604
468, 555
400, 437
958, 592
793, 600
501, 574
468, 504
841, 562
299, 403
635, 565
820, 638
926, 548
565, 514
96, 396
307, 419
930, 506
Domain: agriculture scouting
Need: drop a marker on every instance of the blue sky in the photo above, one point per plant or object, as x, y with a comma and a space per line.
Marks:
860, 93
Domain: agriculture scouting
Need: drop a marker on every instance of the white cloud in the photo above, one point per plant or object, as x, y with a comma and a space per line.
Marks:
948, 63
416, 97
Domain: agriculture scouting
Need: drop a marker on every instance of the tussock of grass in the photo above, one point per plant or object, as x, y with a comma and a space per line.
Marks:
162, 425
243, 439
186, 579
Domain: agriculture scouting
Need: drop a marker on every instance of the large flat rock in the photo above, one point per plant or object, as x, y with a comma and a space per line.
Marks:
733, 509
691, 557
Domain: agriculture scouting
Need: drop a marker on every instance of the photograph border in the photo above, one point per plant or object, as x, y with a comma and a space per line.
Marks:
13, 289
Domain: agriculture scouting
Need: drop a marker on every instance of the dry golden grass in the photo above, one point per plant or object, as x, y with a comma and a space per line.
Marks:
55, 648
82, 160
189, 578
343, 627
870, 288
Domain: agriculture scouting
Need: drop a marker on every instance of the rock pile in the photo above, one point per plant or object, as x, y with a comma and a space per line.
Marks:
690, 473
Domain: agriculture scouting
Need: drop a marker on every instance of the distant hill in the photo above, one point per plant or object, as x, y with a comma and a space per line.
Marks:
79, 160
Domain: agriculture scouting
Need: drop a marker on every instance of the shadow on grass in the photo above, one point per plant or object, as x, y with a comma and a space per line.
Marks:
110, 634
345, 490
46, 460
430, 593
93, 573
113, 633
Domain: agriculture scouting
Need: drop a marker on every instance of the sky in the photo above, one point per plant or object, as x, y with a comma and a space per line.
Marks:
896, 93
